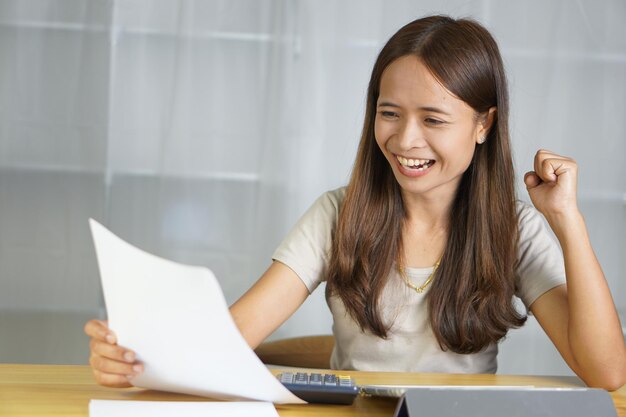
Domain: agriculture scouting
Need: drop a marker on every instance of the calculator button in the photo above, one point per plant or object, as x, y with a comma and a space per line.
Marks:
301, 378
286, 378
330, 379
315, 379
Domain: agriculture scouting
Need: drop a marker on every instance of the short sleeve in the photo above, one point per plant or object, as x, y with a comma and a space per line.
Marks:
306, 249
541, 266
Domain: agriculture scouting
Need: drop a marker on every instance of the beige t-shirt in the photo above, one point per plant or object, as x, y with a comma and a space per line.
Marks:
411, 345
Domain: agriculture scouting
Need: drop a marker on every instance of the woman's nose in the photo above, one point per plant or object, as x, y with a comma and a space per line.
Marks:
411, 135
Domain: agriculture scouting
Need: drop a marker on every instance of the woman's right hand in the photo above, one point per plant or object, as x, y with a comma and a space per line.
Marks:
112, 365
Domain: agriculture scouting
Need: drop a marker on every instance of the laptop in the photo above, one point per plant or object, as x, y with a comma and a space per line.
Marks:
511, 402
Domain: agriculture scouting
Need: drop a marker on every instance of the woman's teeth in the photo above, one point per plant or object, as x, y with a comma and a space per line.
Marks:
416, 164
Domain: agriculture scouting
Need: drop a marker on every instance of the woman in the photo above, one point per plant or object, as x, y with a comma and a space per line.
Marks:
425, 248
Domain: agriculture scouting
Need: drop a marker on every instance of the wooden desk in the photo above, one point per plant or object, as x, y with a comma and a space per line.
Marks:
65, 390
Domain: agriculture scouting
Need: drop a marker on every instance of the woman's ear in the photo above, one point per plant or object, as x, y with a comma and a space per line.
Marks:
485, 121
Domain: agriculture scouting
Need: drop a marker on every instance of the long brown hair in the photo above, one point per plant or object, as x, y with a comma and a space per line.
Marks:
471, 299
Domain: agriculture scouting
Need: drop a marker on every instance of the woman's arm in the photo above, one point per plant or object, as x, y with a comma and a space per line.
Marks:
579, 318
268, 303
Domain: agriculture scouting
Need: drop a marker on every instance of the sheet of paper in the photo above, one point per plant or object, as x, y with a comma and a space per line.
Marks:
176, 319
113, 408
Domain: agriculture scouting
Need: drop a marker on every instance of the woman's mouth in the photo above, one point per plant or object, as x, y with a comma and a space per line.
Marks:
415, 164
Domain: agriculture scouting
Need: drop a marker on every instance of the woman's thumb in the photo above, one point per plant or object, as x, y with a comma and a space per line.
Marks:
531, 180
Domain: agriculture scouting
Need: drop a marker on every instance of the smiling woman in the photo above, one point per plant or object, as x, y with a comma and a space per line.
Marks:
426, 247
437, 90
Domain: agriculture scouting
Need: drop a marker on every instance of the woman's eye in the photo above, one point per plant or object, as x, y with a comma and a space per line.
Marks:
389, 114
431, 121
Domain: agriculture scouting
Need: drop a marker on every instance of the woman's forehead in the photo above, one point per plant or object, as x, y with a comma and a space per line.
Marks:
408, 82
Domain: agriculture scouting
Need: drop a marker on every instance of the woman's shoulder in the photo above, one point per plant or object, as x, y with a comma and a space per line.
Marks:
331, 200
335, 196
324, 210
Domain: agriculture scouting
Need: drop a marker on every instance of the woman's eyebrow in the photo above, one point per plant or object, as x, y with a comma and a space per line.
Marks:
423, 108
434, 110
387, 104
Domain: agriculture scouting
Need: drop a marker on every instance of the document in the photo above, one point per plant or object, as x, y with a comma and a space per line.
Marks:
113, 408
176, 319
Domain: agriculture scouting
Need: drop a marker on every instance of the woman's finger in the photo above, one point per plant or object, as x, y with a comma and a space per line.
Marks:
109, 366
549, 165
552, 168
547, 171
537, 162
110, 351
541, 156
99, 330
111, 380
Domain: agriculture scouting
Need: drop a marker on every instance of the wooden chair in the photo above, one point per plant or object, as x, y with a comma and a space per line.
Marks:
302, 352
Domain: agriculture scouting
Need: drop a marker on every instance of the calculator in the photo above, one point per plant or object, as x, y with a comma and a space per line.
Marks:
320, 388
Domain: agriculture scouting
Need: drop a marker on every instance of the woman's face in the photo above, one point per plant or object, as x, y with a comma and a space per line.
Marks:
427, 134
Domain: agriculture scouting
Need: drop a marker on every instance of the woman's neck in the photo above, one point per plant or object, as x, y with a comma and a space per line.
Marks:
428, 212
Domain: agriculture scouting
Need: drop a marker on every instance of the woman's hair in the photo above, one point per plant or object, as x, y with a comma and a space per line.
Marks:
471, 299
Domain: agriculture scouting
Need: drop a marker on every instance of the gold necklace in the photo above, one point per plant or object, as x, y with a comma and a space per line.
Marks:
422, 287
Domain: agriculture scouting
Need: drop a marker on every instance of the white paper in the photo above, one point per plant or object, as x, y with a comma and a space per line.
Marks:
113, 408
176, 319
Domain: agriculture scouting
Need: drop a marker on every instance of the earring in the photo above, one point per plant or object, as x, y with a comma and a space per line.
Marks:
482, 140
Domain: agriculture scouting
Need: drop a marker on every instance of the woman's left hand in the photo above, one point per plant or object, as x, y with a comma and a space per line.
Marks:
552, 185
